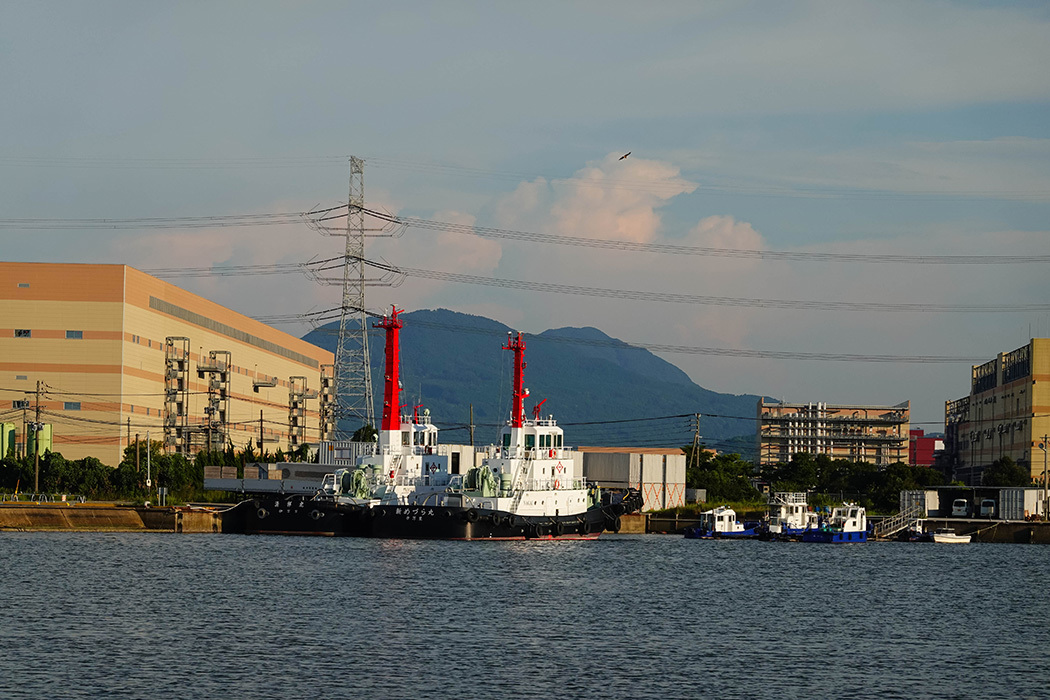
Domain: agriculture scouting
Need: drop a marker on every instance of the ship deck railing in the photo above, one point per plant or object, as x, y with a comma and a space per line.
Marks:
789, 498
533, 453
534, 485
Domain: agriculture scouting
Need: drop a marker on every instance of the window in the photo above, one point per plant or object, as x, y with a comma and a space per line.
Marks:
21, 376
23, 285
74, 335
23, 333
72, 405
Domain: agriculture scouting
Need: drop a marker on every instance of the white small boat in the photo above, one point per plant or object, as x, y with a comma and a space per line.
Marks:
948, 536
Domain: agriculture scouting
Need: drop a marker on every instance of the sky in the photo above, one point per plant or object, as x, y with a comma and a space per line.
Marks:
907, 129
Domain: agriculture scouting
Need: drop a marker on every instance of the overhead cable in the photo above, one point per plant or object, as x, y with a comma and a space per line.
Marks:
705, 251
706, 300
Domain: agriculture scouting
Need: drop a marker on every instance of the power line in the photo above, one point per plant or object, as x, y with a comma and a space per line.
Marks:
705, 251
672, 185
678, 184
169, 222
657, 347
677, 298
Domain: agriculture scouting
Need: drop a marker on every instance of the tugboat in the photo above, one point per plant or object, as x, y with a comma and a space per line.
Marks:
531, 487
848, 523
720, 523
789, 517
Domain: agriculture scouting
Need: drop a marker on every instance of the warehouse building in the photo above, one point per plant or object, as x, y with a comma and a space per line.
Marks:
1006, 414
875, 434
659, 473
117, 354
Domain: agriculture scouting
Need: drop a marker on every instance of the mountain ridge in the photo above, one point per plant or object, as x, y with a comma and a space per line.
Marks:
604, 391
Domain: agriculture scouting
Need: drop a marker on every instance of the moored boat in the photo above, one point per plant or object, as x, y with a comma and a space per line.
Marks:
720, 523
530, 486
948, 536
847, 523
789, 517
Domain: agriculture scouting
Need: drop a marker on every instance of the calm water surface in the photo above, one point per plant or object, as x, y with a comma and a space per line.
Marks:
229, 616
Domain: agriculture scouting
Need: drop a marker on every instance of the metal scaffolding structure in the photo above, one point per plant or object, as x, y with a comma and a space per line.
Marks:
176, 395
217, 411
353, 376
297, 396
326, 410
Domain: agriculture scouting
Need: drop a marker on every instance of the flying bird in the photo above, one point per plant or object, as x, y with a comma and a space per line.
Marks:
625, 155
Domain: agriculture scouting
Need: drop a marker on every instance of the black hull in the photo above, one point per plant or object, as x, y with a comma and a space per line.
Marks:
300, 515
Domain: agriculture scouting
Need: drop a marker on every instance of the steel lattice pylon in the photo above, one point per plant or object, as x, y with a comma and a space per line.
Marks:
353, 375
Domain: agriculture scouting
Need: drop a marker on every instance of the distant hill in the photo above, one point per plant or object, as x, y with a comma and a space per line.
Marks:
597, 387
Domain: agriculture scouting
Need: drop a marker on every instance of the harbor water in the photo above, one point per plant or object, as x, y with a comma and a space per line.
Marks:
88, 615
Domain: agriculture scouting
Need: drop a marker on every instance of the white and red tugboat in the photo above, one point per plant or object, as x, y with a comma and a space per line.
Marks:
530, 487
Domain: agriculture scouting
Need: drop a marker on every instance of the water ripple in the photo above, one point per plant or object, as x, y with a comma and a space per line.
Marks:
136, 615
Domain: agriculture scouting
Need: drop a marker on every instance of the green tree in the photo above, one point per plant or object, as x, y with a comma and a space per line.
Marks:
726, 477
1006, 472
366, 433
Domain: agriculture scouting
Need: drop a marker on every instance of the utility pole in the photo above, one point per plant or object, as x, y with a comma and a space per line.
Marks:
694, 457
471, 425
138, 468
260, 435
36, 442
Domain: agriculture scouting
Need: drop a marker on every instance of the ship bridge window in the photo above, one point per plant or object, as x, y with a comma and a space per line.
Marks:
557, 440
506, 439
530, 441
405, 439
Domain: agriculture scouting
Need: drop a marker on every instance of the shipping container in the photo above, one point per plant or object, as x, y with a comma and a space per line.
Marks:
7, 440
927, 499
43, 435
1020, 503
660, 477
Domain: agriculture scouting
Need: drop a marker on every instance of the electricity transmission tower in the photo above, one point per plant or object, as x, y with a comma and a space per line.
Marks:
353, 373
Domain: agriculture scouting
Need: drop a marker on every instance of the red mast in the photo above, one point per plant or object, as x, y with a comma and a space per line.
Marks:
518, 346
392, 384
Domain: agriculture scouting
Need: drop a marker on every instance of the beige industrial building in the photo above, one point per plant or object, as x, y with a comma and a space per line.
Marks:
875, 434
118, 353
1006, 414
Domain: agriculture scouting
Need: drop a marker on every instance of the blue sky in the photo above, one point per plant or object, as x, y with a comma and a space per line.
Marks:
911, 128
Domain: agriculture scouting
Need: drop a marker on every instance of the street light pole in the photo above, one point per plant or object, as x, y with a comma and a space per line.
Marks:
36, 442
1046, 501
149, 482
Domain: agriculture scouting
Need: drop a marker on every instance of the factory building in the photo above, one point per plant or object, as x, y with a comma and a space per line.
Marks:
117, 354
875, 434
1006, 414
923, 449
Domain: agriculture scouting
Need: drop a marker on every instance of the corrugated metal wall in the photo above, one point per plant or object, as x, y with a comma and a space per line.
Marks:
660, 478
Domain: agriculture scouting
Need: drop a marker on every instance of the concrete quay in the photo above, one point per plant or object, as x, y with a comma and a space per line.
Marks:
104, 517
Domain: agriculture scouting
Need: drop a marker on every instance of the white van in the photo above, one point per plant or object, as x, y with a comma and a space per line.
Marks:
987, 508
960, 508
